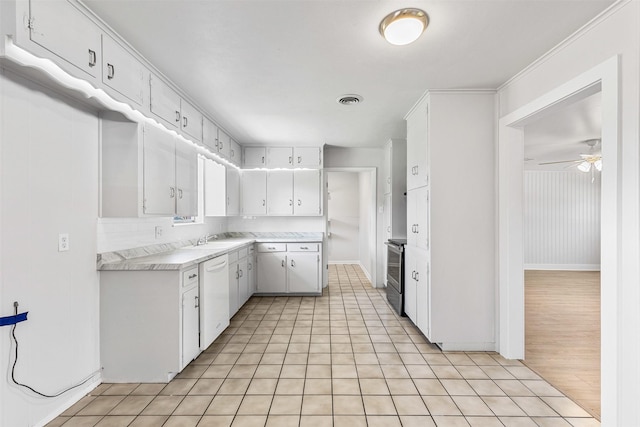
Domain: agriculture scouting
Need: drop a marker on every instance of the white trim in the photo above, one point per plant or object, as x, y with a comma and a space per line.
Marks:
563, 267
366, 273
465, 346
70, 401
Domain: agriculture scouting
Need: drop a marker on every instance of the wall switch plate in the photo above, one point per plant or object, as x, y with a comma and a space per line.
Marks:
63, 242
158, 231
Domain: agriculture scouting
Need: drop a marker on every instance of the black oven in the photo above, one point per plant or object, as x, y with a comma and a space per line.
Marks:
395, 274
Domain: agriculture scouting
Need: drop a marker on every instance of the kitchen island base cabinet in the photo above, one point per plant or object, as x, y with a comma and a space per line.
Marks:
149, 327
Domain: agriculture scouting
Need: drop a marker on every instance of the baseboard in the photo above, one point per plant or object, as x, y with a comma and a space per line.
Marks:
72, 400
367, 274
467, 346
566, 267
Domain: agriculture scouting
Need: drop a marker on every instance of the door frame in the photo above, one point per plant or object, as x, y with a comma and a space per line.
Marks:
603, 78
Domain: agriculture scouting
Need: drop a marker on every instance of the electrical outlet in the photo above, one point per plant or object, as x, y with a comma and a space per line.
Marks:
158, 231
63, 242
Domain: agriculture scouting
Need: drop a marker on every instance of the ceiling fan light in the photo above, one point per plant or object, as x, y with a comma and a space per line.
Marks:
584, 167
598, 165
403, 26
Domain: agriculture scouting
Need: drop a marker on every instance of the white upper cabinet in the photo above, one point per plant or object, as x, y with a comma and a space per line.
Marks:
215, 189
233, 191
235, 153
186, 180
62, 29
418, 218
306, 193
191, 121
165, 102
280, 192
279, 157
159, 172
307, 157
210, 135
417, 143
254, 157
122, 72
224, 143
254, 192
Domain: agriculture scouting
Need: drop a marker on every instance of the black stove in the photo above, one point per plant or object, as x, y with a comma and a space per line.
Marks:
395, 274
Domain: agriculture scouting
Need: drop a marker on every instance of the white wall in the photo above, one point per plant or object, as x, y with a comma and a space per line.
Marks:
616, 33
48, 185
367, 241
343, 210
276, 224
561, 220
339, 157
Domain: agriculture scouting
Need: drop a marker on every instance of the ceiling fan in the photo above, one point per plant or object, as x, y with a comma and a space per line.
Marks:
591, 161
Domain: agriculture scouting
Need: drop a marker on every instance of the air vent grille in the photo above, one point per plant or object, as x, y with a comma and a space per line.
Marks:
349, 99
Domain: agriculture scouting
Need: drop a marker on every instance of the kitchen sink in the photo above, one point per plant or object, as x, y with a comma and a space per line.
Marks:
212, 245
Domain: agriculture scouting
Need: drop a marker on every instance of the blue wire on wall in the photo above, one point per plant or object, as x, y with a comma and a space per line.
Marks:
12, 320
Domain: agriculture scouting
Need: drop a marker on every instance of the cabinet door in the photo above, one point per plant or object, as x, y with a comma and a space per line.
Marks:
159, 165
410, 287
307, 157
121, 71
412, 217
210, 135
423, 299
190, 326
386, 217
251, 274
224, 144
303, 272
272, 272
422, 218
417, 140
215, 189
386, 167
191, 123
280, 192
306, 193
63, 30
279, 157
233, 288
233, 191
254, 157
235, 153
243, 281
164, 102
254, 192
186, 180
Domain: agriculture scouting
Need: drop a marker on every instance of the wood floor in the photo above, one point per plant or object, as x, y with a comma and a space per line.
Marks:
562, 332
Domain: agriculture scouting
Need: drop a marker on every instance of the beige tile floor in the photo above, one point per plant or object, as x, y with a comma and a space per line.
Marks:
342, 359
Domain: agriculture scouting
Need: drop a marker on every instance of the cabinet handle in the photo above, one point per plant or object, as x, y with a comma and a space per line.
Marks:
249, 266
417, 170
197, 302
237, 274
185, 121
290, 202
299, 202
233, 153
263, 202
216, 144
299, 159
271, 248
417, 228
111, 71
240, 273
192, 276
172, 192
293, 264
413, 275
290, 160
92, 58
417, 276
221, 145
304, 247
283, 261
263, 160
177, 116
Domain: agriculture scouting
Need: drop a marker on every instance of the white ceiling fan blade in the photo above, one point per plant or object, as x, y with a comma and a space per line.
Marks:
562, 161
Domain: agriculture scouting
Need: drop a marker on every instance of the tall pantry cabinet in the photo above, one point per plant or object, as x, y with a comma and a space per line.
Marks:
449, 259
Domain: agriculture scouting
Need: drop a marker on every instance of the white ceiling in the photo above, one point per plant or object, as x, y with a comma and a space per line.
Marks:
270, 71
561, 136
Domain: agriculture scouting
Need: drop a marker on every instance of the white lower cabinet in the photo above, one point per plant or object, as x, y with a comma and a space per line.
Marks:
149, 324
239, 282
416, 288
289, 268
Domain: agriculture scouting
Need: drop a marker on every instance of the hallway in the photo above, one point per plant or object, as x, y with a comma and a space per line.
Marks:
343, 359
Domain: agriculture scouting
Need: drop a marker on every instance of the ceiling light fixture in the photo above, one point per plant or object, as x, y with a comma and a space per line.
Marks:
404, 26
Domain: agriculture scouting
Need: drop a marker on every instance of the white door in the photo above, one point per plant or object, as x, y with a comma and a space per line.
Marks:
306, 192
303, 271
165, 102
410, 288
279, 157
233, 288
307, 157
272, 272
280, 192
190, 326
159, 165
215, 189
62, 29
233, 191
186, 180
254, 192
121, 71
254, 157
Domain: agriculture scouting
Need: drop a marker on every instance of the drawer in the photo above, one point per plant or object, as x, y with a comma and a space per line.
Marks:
272, 247
242, 253
251, 249
190, 277
303, 247
233, 256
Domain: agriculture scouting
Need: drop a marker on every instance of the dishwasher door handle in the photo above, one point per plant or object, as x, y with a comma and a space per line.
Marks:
217, 267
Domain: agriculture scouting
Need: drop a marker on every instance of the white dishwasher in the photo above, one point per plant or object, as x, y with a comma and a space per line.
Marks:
214, 299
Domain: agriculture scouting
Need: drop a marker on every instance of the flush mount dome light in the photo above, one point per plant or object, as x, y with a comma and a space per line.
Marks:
349, 99
404, 26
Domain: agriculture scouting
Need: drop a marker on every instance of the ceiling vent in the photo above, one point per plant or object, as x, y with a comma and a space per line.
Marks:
349, 99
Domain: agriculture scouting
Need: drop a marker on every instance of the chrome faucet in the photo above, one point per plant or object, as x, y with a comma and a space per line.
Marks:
204, 239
